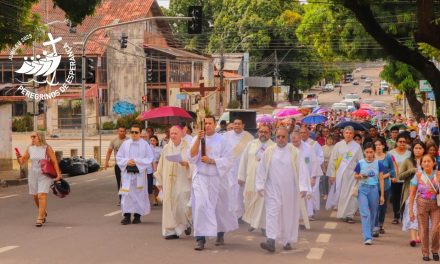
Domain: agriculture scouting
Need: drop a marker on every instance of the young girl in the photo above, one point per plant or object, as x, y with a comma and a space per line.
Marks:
426, 185
369, 173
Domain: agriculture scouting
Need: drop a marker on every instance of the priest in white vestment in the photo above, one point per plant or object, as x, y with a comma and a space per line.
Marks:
212, 216
314, 204
342, 163
173, 178
308, 157
283, 181
254, 213
237, 139
134, 153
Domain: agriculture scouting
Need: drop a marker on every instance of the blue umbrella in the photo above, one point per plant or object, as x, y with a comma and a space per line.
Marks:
314, 119
355, 125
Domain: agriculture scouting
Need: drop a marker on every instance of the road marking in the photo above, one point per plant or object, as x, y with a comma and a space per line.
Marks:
91, 180
4, 249
330, 225
8, 196
323, 238
68, 227
315, 253
73, 183
333, 214
113, 213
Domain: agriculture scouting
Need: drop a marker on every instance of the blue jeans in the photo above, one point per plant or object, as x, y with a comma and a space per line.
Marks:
368, 200
380, 217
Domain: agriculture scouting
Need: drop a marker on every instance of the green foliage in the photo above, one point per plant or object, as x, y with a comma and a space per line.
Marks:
402, 76
128, 120
16, 21
23, 124
108, 125
234, 104
76, 11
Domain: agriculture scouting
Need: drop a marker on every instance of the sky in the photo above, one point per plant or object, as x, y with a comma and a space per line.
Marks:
164, 3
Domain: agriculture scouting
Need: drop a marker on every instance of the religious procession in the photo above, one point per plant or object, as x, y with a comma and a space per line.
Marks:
211, 181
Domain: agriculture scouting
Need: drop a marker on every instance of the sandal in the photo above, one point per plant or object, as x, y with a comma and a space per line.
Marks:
349, 220
44, 219
395, 222
39, 223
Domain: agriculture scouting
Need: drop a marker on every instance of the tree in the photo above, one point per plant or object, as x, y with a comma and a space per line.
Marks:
17, 19
337, 34
426, 32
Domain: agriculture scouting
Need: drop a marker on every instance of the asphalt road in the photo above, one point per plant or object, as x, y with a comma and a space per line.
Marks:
84, 228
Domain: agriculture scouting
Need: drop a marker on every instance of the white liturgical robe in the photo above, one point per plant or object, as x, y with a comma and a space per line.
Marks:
134, 186
282, 178
175, 180
254, 213
237, 143
341, 165
308, 157
210, 190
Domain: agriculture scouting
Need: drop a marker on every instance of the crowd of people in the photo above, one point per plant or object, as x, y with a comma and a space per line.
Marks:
210, 182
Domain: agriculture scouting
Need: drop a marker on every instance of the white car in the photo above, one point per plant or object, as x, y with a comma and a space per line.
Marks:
339, 107
368, 80
349, 105
352, 97
379, 106
328, 88
310, 103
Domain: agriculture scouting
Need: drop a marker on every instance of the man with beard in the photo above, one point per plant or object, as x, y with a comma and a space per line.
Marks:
283, 181
253, 203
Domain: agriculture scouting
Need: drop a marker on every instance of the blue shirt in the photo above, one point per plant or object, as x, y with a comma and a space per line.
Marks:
372, 169
388, 167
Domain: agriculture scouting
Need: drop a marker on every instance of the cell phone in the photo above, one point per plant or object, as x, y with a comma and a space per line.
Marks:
17, 151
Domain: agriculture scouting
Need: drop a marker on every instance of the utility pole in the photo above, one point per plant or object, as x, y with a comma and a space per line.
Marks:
222, 65
35, 112
276, 76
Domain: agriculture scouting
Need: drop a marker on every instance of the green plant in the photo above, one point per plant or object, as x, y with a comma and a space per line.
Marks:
234, 104
128, 120
23, 124
108, 125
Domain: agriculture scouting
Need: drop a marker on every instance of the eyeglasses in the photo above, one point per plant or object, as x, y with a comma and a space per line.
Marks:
135, 132
401, 141
33, 136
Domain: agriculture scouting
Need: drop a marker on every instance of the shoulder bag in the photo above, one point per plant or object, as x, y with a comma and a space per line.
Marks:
47, 167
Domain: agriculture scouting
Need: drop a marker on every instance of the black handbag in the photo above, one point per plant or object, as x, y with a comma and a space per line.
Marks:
132, 169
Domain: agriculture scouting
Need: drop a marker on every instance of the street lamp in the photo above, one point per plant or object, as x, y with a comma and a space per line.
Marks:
83, 73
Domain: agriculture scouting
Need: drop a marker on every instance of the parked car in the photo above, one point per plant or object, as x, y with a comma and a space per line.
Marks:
379, 106
366, 89
367, 101
352, 97
328, 88
363, 76
339, 107
368, 80
350, 105
310, 104
355, 82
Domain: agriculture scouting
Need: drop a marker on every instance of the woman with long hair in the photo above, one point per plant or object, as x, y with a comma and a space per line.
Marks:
400, 153
407, 170
39, 184
390, 171
424, 190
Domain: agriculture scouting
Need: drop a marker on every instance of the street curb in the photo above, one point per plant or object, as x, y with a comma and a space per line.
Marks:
13, 182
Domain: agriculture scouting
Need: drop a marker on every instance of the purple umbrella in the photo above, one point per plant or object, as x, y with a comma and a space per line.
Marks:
320, 111
265, 119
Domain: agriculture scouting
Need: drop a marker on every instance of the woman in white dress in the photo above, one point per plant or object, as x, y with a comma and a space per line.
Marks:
39, 184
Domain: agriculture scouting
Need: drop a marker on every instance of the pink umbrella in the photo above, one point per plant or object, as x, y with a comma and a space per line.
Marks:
166, 115
286, 113
265, 119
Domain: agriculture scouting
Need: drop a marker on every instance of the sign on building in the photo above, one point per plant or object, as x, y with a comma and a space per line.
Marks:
181, 96
424, 86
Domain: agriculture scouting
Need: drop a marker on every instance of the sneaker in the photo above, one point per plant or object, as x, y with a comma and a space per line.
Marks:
269, 245
126, 221
171, 237
136, 219
368, 242
376, 233
382, 231
435, 257
287, 247
311, 218
251, 229
220, 241
200, 245
188, 231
